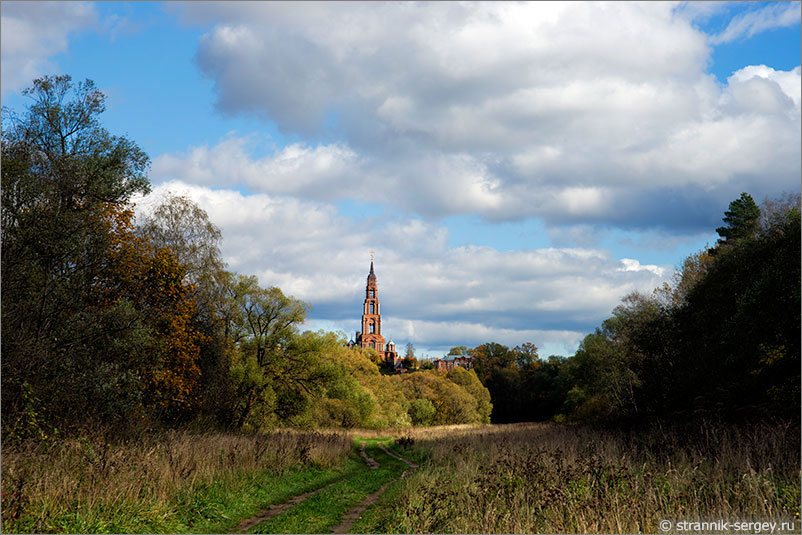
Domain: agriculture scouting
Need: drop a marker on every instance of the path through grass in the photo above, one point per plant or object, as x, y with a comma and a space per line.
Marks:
338, 505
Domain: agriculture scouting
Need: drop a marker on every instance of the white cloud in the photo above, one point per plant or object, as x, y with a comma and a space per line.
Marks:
585, 200
33, 32
432, 184
787, 81
431, 294
728, 148
630, 264
575, 113
753, 22
315, 172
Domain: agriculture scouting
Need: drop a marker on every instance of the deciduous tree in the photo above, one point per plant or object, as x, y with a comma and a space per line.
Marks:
270, 361
153, 280
61, 173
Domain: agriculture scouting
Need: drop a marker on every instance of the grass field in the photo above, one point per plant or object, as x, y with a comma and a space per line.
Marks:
520, 478
168, 483
546, 478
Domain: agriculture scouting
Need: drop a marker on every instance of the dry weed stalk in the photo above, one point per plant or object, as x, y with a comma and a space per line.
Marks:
536, 478
87, 473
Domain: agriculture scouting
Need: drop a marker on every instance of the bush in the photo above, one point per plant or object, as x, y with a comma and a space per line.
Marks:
421, 411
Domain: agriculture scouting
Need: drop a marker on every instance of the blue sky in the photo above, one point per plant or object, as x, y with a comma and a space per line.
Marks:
518, 168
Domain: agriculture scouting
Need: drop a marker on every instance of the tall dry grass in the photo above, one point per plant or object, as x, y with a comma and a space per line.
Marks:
40, 484
548, 478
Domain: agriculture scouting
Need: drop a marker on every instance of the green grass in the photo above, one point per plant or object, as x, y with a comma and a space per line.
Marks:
540, 478
221, 506
379, 518
217, 506
188, 485
321, 512
522, 478
172, 483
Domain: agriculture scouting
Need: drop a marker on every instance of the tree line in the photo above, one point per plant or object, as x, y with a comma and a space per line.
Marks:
133, 324
721, 340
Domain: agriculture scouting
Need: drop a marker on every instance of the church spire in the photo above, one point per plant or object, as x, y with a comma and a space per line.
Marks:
371, 266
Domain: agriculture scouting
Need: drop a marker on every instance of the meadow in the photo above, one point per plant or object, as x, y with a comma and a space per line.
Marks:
515, 478
548, 478
170, 482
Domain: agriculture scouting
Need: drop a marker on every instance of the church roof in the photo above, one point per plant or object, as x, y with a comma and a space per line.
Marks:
372, 275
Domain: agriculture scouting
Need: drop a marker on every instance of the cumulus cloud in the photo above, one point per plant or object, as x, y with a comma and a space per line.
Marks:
33, 32
788, 83
753, 22
428, 184
576, 113
294, 169
630, 264
457, 295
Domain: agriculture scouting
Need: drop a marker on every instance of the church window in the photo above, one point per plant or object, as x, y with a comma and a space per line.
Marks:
372, 327
371, 308
373, 293
372, 345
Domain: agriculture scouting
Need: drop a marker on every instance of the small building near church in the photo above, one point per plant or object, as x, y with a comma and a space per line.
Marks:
448, 363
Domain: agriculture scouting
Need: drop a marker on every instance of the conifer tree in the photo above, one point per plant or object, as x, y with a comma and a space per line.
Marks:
742, 220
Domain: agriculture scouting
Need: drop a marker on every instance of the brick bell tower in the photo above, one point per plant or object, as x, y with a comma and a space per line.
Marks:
371, 335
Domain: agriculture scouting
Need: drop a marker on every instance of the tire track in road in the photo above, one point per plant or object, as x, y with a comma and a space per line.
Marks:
274, 510
391, 454
354, 513
371, 462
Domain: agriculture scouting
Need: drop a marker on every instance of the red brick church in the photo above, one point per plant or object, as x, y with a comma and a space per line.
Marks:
371, 335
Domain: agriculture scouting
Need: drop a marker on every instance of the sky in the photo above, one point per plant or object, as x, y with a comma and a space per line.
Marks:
517, 168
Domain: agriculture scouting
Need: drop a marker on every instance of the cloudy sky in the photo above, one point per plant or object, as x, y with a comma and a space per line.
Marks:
516, 167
